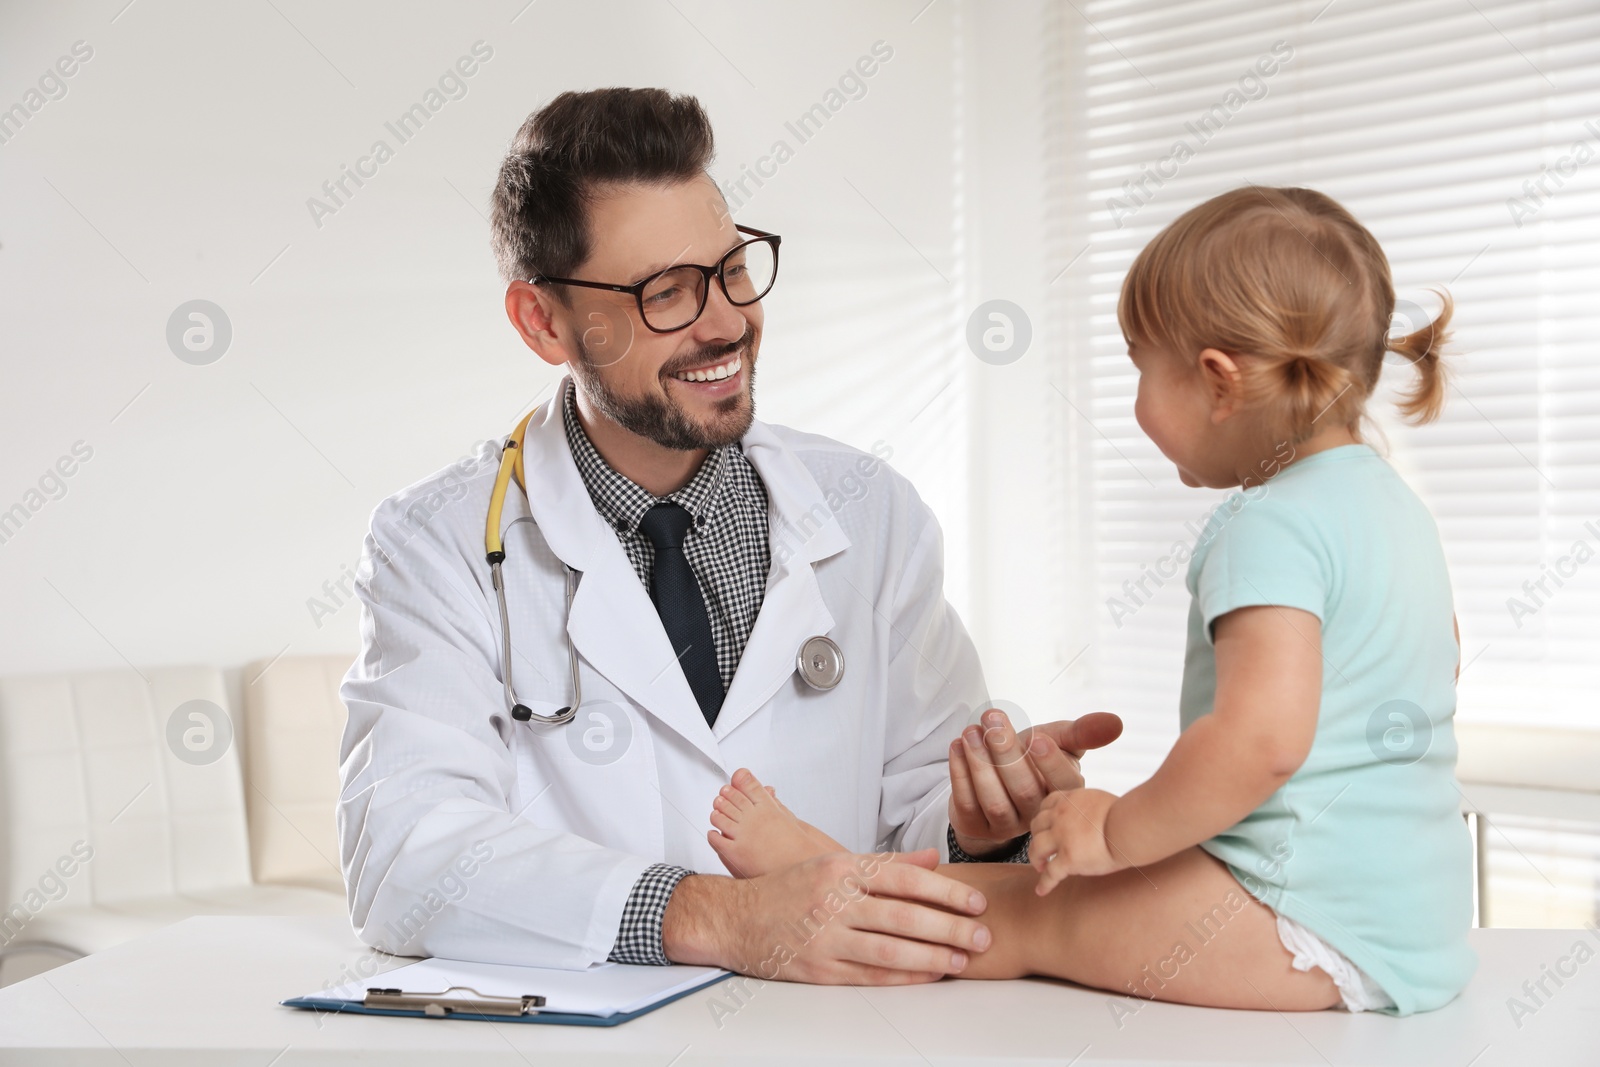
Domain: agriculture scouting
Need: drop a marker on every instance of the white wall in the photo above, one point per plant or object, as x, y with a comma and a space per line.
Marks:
372, 349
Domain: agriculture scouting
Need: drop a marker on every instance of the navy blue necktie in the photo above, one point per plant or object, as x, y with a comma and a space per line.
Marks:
677, 598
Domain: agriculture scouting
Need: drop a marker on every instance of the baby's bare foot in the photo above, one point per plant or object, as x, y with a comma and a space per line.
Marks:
756, 833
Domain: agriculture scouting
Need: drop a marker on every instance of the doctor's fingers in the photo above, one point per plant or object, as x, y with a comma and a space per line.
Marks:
1015, 754
1059, 770
993, 794
963, 794
999, 738
909, 882
872, 949
1013, 758
911, 937
1077, 736
845, 972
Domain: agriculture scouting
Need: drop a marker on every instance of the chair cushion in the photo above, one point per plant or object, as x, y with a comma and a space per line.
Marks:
88, 764
295, 721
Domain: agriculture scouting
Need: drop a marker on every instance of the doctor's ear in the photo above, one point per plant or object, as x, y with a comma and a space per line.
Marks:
530, 310
1224, 383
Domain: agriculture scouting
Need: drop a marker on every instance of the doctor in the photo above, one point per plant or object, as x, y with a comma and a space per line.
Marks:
665, 559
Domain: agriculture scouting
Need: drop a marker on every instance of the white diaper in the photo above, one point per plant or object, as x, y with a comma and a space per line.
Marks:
1359, 992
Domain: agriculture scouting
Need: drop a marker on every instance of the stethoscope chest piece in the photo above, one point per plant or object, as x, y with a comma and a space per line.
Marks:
821, 663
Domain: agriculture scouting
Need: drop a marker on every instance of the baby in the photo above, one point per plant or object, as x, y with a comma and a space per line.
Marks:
1301, 847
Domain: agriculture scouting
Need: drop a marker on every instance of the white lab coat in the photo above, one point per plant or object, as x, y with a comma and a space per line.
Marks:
466, 834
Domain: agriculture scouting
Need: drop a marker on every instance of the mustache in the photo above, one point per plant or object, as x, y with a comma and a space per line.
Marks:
712, 353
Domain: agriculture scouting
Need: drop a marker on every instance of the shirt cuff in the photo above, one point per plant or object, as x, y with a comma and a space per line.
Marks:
639, 934
1017, 853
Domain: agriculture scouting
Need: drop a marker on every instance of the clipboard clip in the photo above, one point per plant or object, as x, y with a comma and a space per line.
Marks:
440, 1005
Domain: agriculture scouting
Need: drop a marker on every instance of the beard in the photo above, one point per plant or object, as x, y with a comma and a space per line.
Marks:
661, 419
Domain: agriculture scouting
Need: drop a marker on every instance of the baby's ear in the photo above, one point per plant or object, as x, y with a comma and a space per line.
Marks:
1223, 381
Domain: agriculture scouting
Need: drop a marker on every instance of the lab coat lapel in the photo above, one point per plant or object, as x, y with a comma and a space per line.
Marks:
613, 623
803, 530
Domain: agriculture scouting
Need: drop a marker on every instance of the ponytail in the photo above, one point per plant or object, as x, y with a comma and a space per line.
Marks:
1313, 392
1424, 349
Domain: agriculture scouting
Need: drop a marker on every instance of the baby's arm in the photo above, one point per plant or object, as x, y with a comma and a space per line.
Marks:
1263, 720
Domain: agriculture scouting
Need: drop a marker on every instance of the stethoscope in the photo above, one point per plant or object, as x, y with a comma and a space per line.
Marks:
820, 662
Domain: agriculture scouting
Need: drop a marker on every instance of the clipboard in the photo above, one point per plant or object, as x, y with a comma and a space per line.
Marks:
607, 995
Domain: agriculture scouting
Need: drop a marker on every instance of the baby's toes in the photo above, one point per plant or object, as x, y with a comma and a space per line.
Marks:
733, 798
725, 825
750, 787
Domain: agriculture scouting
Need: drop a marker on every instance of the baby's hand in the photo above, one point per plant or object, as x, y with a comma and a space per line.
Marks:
1069, 837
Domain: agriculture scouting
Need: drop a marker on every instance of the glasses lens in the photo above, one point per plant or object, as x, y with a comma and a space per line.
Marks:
748, 273
672, 299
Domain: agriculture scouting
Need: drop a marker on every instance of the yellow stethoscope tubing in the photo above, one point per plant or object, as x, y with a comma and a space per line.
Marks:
511, 465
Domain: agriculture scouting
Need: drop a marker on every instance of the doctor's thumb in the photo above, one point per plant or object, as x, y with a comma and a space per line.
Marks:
1076, 736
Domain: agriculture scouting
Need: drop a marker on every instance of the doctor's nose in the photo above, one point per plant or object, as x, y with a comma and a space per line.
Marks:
720, 321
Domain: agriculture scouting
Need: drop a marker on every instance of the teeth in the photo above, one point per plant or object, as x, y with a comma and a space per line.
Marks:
712, 374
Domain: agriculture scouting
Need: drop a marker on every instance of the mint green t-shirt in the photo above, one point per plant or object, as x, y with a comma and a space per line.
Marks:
1365, 845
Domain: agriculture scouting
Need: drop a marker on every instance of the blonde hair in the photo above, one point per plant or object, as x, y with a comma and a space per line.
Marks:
1290, 280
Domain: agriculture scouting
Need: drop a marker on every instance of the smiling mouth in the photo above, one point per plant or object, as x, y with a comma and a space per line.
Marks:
711, 374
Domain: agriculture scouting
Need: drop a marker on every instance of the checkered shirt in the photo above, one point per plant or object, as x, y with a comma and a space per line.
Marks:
727, 547
1018, 853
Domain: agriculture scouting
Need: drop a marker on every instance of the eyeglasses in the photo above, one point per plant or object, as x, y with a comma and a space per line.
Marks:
674, 298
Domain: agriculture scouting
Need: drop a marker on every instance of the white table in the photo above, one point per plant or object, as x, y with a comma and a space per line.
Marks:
205, 991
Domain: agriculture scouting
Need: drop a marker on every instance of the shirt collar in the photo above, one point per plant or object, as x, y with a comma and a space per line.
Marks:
621, 501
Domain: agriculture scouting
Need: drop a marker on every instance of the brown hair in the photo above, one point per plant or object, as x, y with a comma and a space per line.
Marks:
1288, 279
567, 151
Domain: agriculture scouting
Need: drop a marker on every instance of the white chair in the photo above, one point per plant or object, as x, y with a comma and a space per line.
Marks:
294, 721
1525, 771
108, 830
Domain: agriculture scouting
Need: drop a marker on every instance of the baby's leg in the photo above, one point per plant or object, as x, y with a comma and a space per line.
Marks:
1181, 930
756, 833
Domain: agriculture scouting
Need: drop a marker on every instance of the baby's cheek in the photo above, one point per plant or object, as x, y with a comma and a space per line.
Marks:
1141, 408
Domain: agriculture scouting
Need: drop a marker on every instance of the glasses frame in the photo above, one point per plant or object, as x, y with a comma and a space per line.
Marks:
637, 288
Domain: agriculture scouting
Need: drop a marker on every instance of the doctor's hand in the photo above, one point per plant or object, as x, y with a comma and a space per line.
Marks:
840, 918
999, 778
